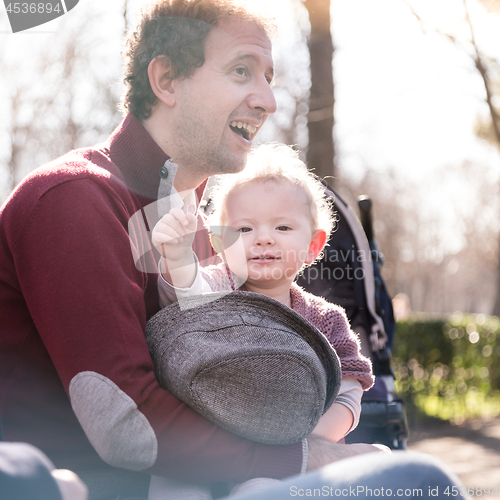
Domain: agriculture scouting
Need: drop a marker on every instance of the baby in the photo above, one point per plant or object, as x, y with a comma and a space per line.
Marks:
268, 223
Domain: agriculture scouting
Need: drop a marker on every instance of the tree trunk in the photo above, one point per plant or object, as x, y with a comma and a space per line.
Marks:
321, 150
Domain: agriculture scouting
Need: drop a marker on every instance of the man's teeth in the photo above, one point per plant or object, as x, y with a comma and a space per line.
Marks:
245, 126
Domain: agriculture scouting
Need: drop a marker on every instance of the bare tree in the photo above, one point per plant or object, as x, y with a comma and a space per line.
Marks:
417, 260
488, 69
292, 82
60, 97
17, 132
481, 66
125, 16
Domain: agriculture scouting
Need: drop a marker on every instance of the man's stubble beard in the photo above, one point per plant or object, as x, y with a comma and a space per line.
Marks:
201, 154
214, 161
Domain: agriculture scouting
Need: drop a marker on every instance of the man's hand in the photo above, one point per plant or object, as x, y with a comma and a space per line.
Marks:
173, 235
322, 452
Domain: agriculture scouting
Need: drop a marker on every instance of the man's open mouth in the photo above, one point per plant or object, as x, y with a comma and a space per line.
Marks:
244, 129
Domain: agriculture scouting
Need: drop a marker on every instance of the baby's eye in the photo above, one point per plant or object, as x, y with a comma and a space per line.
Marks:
244, 229
283, 228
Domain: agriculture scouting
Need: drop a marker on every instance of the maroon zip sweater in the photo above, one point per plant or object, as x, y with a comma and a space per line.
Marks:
73, 309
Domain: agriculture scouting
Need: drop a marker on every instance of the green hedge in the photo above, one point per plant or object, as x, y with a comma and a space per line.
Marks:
450, 368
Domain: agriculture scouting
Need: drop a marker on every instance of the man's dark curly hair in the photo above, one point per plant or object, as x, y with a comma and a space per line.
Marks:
176, 29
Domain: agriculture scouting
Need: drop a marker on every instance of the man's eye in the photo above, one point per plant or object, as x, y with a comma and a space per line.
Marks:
241, 71
244, 229
283, 228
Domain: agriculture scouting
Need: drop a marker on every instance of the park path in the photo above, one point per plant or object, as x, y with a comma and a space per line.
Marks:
471, 451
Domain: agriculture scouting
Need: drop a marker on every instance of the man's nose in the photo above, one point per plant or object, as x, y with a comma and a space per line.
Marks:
263, 98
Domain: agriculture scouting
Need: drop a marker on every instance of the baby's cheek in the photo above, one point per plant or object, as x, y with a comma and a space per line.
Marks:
237, 261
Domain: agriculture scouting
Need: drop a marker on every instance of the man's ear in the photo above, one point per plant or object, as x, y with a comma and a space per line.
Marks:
317, 244
161, 75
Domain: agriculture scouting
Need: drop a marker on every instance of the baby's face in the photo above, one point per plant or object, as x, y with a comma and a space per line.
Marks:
274, 222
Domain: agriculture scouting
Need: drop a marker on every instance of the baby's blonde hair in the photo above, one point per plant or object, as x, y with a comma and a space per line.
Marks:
276, 162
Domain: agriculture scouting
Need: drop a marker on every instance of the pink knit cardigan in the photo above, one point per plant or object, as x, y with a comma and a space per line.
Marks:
328, 318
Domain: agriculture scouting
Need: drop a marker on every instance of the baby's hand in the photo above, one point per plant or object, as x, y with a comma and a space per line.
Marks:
174, 233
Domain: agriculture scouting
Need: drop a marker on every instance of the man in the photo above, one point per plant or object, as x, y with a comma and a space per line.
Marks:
76, 378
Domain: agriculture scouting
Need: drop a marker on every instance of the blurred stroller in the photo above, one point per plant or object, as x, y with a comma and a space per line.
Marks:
349, 275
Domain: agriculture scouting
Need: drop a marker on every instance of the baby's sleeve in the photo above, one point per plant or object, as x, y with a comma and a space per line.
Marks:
350, 396
346, 343
169, 294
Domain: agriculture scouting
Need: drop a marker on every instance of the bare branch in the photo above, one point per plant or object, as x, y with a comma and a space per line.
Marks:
125, 17
478, 61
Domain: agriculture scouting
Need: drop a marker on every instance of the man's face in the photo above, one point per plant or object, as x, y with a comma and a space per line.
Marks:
221, 107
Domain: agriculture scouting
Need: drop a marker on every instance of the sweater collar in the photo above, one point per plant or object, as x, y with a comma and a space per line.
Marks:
138, 157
